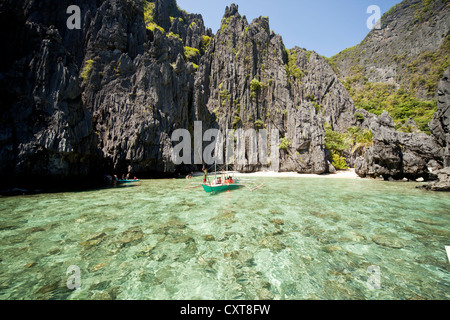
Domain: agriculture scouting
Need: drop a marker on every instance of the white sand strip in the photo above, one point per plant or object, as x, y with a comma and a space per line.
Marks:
347, 174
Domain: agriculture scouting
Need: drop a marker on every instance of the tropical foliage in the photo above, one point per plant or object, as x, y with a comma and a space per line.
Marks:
353, 140
292, 70
376, 97
418, 76
191, 54
87, 70
285, 143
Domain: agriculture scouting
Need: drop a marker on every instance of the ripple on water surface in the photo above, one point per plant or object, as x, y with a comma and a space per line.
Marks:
295, 238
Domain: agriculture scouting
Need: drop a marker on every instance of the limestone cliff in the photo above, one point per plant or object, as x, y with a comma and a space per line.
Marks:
108, 97
248, 79
140, 84
46, 130
440, 125
397, 155
77, 104
105, 98
409, 51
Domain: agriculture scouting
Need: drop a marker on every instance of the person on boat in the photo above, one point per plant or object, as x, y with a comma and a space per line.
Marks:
205, 174
108, 179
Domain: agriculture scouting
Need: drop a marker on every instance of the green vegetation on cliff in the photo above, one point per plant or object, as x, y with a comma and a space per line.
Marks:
151, 23
192, 54
421, 73
206, 40
425, 71
336, 143
353, 140
149, 17
399, 74
285, 143
292, 70
87, 70
149, 8
376, 97
255, 85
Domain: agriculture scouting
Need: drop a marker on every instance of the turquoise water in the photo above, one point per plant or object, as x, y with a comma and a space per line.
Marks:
295, 238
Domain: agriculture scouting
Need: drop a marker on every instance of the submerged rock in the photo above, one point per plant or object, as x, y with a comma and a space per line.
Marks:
265, 294
209, 237
130, 237
333, 248
30, 265
100, 285
93, 240
388, 242
272, 243
110, 294
241, 258
98, 267
427, 221
35, 229
170, 226
146, 252
278, 222
48, 288
8, 227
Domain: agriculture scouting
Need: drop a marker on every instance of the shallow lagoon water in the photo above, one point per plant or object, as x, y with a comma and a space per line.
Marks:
295, 238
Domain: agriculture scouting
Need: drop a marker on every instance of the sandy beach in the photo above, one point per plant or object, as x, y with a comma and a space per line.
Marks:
344, 174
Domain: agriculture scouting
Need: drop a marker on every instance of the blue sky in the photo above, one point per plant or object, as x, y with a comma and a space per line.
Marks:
325, 26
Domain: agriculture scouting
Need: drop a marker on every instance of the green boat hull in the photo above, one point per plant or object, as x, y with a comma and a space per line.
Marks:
128, 181
221, 188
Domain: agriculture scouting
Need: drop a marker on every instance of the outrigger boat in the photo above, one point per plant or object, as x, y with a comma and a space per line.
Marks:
114, 181
128, 182
223, 182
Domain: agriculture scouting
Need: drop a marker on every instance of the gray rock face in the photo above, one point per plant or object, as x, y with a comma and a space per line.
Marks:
440, 125
81, 103
400, 155
440, 129
396, 155
390, 55
248, 80
137, 101
45, 129
442, 183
